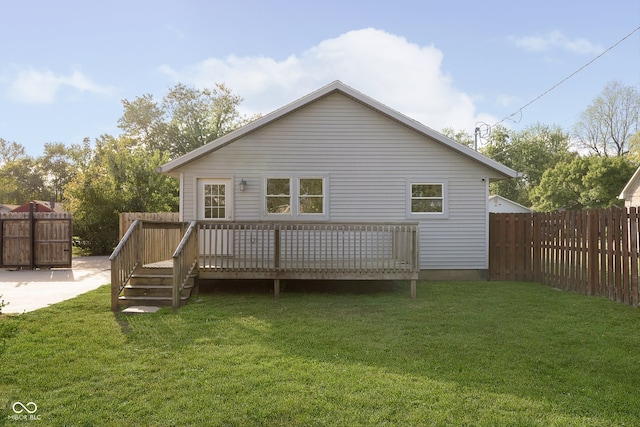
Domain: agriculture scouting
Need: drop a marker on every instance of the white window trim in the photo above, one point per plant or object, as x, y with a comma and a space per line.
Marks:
294, 189
445, 198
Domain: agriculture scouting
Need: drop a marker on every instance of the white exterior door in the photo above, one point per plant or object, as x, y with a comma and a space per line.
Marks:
215, 202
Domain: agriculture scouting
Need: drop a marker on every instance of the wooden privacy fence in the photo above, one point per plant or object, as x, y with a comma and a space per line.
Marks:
35, 239
127, 218
592, 252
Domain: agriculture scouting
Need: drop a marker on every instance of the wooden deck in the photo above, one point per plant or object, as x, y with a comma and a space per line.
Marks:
254, 268
268, 250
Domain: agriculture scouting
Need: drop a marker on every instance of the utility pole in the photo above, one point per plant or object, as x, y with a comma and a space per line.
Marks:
476, 135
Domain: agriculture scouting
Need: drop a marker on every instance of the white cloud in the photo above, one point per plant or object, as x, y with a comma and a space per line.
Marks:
33, 86
556, 39
503, 100
403, 75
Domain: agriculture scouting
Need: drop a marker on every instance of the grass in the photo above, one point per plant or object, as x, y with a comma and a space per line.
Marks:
480, 354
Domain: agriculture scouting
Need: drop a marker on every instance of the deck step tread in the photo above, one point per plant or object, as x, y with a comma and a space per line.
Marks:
164, 276
148, 286
150, 298
142, 276
136, 286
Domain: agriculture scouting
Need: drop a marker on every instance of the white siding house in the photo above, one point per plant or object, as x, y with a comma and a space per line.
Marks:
337, 155
499, 204
631, 192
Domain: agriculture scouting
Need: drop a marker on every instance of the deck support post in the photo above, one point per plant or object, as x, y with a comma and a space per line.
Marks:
413, 289
276, 288
115, 287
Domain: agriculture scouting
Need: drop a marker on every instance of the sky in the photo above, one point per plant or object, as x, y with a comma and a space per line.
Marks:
66, 66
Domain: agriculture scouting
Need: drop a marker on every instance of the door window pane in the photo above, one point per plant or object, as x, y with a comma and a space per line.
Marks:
214, 201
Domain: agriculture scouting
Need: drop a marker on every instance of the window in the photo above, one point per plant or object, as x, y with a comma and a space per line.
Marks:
427, 198
296, 196
311, 196
278, 196
214, 201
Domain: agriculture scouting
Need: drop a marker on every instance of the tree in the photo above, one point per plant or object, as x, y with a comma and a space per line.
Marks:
20, 176
531, 152
184, 120
583, 183
607, 125
120, 177
10, 151
143, 121
57, 168
634, 147
460, 136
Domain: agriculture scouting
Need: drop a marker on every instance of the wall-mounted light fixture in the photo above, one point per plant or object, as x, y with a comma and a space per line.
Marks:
243, 185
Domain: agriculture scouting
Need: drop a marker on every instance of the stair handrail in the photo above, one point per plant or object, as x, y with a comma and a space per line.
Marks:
185, 262
124, 261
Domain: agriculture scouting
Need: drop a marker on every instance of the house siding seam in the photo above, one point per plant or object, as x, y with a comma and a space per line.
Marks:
369, 158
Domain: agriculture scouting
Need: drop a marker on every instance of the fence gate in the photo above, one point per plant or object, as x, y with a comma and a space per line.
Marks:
35, 239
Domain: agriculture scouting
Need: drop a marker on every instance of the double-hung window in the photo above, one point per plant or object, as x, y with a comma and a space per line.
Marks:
295, 196
278, 196
311, 196
427, 198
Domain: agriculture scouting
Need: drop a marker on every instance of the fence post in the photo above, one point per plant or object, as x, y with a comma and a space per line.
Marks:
624, 253
537, 247
32, 239
633, 243
593, 243
617, 254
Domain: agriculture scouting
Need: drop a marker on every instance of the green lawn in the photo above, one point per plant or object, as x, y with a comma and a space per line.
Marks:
484, 353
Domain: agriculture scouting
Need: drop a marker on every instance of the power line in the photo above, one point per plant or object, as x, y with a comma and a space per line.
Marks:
519, 111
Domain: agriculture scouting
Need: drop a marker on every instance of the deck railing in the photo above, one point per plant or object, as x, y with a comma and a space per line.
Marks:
185, 262
124, 260
144, 243
267, 250
309, 250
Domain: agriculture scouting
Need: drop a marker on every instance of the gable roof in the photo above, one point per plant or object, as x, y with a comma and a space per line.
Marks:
496, 198
626, 191
39, 206
341, 88
7, 208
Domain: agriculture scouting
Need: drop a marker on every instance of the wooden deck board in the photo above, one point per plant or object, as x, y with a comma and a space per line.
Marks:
214, 265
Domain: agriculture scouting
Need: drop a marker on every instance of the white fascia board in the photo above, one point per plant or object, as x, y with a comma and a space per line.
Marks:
627, 188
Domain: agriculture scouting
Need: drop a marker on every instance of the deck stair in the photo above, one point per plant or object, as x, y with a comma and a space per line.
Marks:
153, 287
